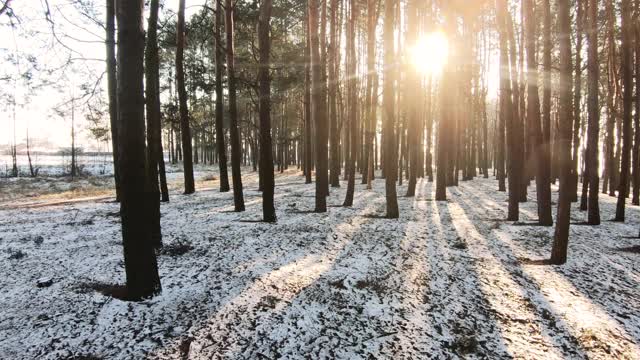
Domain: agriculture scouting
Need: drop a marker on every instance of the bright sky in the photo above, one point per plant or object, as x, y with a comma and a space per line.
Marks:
78, 37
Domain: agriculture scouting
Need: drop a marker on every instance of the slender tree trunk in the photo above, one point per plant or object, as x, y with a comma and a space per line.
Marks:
112, 90
139, 257
546, 91
185, 128
627, 103
353, 102
577, 96
543, 189
389, 151
220, 145
507, 113
74, 165
318, 102
413, 83
444, 156
154, 146
334, 176
308, 120
264, 92
593, 66
636, 119
234, 131
561, 237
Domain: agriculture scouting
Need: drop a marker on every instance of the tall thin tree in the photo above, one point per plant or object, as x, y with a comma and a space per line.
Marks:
264, 106
154, 141
627, 103
185, 127
220, 142
593, 107
388, 98
352, 102
561, 236
234, 131
543, 188
139, 257
318, 108
112, 89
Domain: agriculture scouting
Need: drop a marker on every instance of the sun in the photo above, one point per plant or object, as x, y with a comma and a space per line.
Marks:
430, 54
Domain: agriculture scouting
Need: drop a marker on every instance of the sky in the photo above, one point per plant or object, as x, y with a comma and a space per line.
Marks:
76, 37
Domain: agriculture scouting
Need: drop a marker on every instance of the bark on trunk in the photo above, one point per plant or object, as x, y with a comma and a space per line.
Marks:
112, 91
185, 128
627, 102
139, 257
389, 152
154, 145
220, 145
264, 92
543, 188
234, 131
593, 132
561, 236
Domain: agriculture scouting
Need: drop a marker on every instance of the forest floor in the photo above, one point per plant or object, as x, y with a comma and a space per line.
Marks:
447, 280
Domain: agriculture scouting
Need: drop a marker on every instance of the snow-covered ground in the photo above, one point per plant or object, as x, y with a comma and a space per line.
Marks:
446, 280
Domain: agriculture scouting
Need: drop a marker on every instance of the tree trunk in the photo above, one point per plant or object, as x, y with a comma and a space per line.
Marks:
308, 120
185, 128
264, 94
577, 96
507, 113
636, 119
389, 150
334, 176
318, 102
546, 91
154, 146
627, 102
139, 257
112, 90
593, 132
353, 102
234, 132
220, 145
543, 189
413, 84
561, 237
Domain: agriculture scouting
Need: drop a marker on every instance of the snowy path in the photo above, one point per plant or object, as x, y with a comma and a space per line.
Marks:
446, 280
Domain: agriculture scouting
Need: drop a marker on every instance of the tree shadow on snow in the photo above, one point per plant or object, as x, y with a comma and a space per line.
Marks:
597, 292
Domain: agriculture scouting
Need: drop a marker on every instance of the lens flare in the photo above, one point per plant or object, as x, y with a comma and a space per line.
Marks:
430, 54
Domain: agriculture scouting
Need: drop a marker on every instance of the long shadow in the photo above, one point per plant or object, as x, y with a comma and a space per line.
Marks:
550, 323
455, 291
258, 331
589, 282
339, 318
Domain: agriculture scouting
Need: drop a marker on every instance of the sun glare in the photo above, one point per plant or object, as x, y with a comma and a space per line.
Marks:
430, 53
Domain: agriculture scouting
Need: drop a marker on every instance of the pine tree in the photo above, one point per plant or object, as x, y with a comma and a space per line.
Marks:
234, 131
389, 150
220, 145
593, 68
264, 92
543, 189
139, 257
627, 102
185, 127
561, 237
112, 89
154, 142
